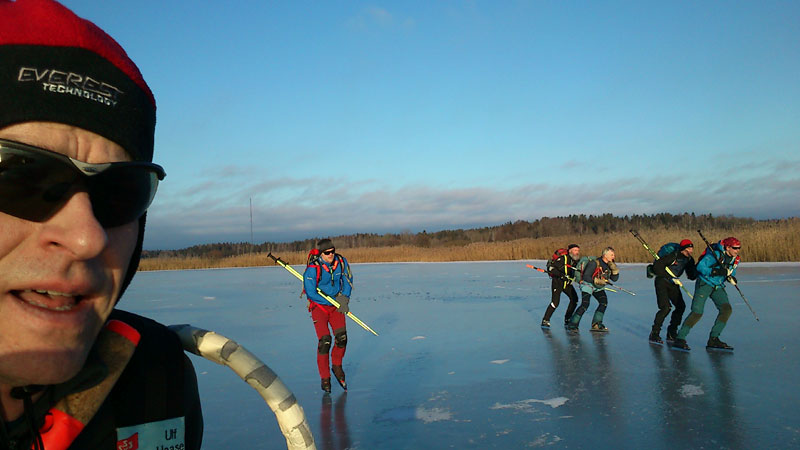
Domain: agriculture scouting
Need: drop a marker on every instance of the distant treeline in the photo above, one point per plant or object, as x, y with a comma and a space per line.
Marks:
546, 227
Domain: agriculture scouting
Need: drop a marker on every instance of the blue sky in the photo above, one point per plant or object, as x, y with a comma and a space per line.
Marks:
345, 117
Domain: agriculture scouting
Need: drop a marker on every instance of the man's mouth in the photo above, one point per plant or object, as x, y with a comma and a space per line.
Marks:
50, 300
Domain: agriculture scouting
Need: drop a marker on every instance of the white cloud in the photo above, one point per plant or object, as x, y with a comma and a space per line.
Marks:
299, 208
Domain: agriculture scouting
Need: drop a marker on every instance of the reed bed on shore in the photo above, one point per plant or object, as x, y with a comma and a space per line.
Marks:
762, 242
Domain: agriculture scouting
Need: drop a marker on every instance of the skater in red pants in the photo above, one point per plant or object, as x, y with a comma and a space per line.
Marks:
329, 272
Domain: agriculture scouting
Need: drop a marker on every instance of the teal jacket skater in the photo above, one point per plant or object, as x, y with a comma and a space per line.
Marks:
708, 263
595, 274
330, 279
711, 284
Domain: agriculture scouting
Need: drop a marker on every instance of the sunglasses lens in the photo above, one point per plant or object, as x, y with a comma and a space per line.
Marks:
32, 186
122, 194
328, 252
35, 184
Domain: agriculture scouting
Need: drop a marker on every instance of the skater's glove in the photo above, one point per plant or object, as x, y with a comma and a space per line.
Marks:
613, 267
344, 303
733, 281
718, 272
600, 281
650, 273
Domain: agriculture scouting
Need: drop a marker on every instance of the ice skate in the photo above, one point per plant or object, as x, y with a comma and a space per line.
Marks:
338, 372
715, 344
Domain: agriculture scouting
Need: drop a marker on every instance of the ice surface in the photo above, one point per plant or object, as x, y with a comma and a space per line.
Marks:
461, 361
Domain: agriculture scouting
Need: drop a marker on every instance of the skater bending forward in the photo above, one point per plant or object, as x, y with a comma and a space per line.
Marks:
711, 277
595, 274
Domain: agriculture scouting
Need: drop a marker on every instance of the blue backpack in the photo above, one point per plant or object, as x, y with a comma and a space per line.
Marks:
666, 249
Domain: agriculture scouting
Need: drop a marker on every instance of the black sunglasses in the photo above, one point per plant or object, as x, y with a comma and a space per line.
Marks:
35, 183
328, 252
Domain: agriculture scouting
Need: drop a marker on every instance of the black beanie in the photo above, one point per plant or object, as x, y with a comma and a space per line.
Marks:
571, 246
324, 244
58, 67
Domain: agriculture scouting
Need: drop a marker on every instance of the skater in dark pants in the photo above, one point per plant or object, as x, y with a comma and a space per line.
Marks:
595, 274
711, 277
677, 258
562, 272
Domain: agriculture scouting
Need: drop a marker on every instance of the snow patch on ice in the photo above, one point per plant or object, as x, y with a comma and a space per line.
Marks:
500, 361
543, 440
417, 337
411, 413
555, 402
209, 298
527, 405
432, 415
690, 390
438, 396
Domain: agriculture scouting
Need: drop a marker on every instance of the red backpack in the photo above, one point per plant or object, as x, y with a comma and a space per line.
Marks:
556, 255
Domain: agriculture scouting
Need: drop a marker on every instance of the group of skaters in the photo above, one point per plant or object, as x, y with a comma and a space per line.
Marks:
328, 277
592, 276
596, 275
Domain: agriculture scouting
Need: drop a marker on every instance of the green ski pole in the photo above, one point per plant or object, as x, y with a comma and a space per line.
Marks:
616, 286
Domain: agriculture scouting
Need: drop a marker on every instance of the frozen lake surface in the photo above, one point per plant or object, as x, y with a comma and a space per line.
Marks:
461, 361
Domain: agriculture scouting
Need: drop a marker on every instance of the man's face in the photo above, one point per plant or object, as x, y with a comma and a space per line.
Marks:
60, 278
733, 251
687, 251
575, 253
609, 256
327, 255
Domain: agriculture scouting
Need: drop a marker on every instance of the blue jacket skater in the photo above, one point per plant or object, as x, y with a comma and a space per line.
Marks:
334, 278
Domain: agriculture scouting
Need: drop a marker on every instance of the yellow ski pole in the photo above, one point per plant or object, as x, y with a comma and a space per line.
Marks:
326, 297
655, 255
